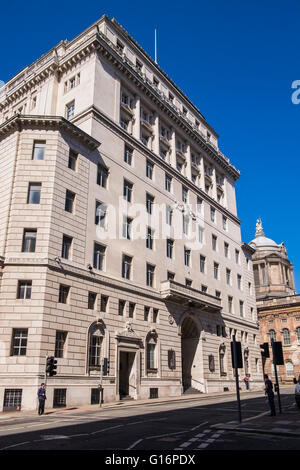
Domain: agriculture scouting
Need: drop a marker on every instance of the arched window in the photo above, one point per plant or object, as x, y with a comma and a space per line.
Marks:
151, 351
272, 335
222, 351
289, 369
298, 334
286, 336
96, 334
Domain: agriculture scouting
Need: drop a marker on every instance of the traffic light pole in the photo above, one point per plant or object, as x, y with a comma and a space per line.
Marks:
45, 376
237, 379
276, 375
100, 382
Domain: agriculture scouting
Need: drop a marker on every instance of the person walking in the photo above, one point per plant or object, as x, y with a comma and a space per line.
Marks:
269, 392
42, 398
297, 392
246, 380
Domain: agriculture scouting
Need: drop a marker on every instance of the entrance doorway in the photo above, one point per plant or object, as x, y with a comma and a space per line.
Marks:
192, 366
127, 376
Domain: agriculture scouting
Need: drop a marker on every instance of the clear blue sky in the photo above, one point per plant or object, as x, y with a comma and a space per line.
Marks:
236, 60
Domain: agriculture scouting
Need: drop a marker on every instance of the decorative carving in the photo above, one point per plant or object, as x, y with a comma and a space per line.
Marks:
171, 319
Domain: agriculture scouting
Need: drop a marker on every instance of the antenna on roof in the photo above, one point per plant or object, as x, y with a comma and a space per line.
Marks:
155, 46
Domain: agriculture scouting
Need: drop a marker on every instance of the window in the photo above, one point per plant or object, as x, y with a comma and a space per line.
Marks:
224, 220
24, 290
214, 242
122, 305
250, 288
272, 335
168, 183
184, 194
120, 46
127, 190
286, 336
298, 334
128, 155
60, 341
170, 276
127, 226
263, 274
149, 239
34, 193
138, 65
126, 266
150, 275
218, 294
66, 247
29, 241
12, 399
38, 152
19, 342
199, 205
95, 348
230, 304
170, 244
92, 297
226, 249
145, 139
216, 271
228, 277
131, 310
212, 214
103, 303
151, 352
146, 313
63, 294
169, 214
102, 175
239, 281
237, 256
289, 369
200, 234
69, 203
99, 254
72, 164
155, 315
185, 220
149, 169
100, 214
149, 203
203, 289
241, 308
202, 264
124, 123
188, 282
70, 110
187, 256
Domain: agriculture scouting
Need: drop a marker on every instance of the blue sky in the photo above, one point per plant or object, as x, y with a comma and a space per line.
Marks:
235, 60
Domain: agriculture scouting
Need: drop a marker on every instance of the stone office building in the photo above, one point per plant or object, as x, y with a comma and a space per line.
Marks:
119, 235
278, 304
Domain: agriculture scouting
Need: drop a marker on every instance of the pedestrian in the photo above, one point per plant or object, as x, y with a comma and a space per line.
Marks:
246, 380
269, 392
297, 392
42, 398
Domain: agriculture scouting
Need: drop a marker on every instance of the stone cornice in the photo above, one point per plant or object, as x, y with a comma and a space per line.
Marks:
248, 248
19, 122
131, 140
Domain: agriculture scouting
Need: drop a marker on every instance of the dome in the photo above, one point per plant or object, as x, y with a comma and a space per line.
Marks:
262, 241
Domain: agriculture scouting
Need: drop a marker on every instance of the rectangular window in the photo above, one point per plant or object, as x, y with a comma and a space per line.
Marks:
200, 234
24, 290
239, 281
168, 183
170, 276
170, 244
187, 256
60, 341
185, 222
212, 214
188, 282
63, 294
203, 289
100, 214
218, 294
128, 155
146, 313
241, 308
38, 152
69, 203
149, 169
59, 398
184, 194
230, 304
99, 255
103, 303
216, 271
226, 249
202, 264
70, 110
72, 163
237, 256
127, 227
149, 239
92, 298
66, 247
150, 275
19, 342
228, 277
127, 191
131, 310
34, 193
169, 214
199, 205
124, 123
155, 315
224, 219
149, 203
12, 399
151, 356
122, 305
29, 241
126, 266
102, 176
214, 242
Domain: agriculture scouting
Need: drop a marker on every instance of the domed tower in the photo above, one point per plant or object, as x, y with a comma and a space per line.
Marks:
273, 272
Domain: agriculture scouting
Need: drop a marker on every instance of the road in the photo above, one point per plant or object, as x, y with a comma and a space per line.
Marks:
173, 426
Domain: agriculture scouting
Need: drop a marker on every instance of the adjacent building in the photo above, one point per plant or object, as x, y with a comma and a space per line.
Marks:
119, 235
278, 305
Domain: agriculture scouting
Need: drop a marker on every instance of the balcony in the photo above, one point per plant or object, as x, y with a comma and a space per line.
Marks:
187, 296
147, 125
127, 109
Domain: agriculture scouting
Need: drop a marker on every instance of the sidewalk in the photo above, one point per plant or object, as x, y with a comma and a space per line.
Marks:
286, 423
122, 404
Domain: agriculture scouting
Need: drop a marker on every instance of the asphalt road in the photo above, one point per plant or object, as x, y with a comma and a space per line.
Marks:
173, 426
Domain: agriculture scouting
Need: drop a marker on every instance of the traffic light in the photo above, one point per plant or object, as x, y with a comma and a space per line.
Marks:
265, 350
278, 353
105, 366
238, 355
51, 366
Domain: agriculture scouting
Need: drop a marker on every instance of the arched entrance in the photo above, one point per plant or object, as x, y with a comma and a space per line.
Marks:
192, 366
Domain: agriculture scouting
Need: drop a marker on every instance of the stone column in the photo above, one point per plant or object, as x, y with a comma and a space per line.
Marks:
156, 134
137, 118
188, 172
173, 148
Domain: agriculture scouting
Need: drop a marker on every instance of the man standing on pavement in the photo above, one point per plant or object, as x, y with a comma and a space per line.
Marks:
42, 397
297, 392
270, 393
